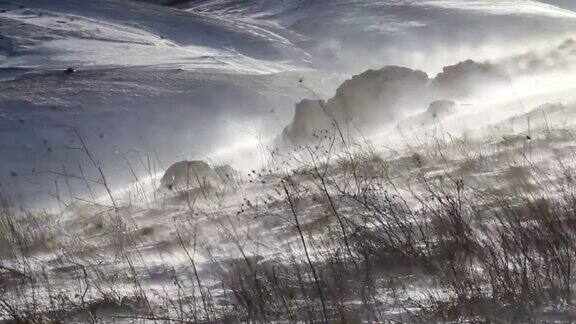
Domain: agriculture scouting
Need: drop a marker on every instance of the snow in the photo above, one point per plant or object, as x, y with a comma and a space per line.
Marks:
219, 78
79, 40
505, 7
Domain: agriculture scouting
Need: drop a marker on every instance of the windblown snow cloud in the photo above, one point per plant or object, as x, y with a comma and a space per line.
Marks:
380, 98
202, 80
377, 98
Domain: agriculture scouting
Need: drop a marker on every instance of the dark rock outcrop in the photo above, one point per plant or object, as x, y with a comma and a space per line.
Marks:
378, 95
370, 99
465, 78
310, 117
382, 97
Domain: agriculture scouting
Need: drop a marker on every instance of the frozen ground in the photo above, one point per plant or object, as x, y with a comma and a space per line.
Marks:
357, 224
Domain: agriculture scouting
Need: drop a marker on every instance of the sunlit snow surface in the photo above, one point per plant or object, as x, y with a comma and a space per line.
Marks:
217, 80
504, 7
179, 82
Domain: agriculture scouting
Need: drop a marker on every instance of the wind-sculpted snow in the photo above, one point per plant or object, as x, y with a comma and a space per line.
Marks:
55, 33
406, 33
483, 201
550, 116
566, 4
5, 47
287, 161
124, 113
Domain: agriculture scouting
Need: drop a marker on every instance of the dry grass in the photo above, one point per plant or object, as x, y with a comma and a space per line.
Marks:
446, 232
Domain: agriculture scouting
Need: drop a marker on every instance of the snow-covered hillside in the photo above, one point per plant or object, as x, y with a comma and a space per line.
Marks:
203, 77
328, 160
149, 79
420, 34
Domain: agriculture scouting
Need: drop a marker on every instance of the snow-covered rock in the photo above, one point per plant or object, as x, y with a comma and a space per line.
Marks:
375, 97
187, 175
467, 78
379, 98
310, 117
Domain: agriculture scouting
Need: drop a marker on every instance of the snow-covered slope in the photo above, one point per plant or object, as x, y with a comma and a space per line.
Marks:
205, 78
149, 79
402, 187
420, 34
55, 33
